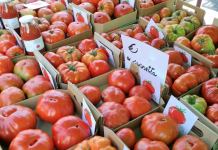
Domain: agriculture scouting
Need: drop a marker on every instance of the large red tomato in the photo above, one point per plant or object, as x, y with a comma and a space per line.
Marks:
53, 36
169, 82
15, 118
36, 86
42, 23
212, 112
89, 7
174, 57
141, 91
164, 12
10, 96
76, 27
53, 105
57, 6
155, 18
14, 51
127, 136
148, 144
114, 114
8, 80
101, 17
113, 94
77, 2
137, 29
86, 46
175, 70
27, 69
92, 93
95, 2
63, 16
8, 37
32, 139
122, 9
210, 30
160, 127
98, 67
60, 25
54, 59
106, 6
5, 45
118, 44
141, 37
146, 3
137, 106
42, 12
122, 79
213, 58
6, 65
189, 142
68, 131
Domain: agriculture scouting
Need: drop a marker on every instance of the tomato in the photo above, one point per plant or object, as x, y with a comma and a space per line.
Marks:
174, 31
32, 139
118, 44
184, 41
141, 37
106, 36
169, 21
84, 1
42, 23
101, 17
187, 142
58, 25
86, 46
147, 42
155, 18
201, 72
4, 32
63, 16
92, 93
149, 85
177, 114
53, 105
36, 86
212, 112
158, 43
69, 53
174, 71
54, 59
213, 58
216, 123
169, 82
7, 37
95, 2
164, 12
57, 6
10, 80
147, 144
89, 7
75, 28
184, 83
115, 37
113, 94
116, 2
160, 25
122, 9
98, 67
147, 18
174, 57
197, 102
127, 136
159, 1
106, 6
5, 45
68, 131
141, 91
114, 114
146, 3
53, 36
6, 65
42, 12
28, 11
137, 29
190, 23
19, 6
14, 51
179, 14
77, 2
15, 118
210, 30
75, 72
27, 69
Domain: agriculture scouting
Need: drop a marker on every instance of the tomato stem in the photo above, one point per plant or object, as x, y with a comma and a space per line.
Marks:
39, 21
70, 50
71, 67
94, 53
51, 31
101, 7
1, 33
191, 100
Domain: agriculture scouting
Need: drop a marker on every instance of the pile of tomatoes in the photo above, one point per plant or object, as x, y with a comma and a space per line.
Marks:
150, 3
8, 45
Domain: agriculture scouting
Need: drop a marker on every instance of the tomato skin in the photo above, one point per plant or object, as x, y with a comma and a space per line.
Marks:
106, 36
89, 7
118, 44
158, 43
141, 91
160, 127
114, 114
159, 1
76, 27
184, 41
212, 112
155, 18
190, 23
187, 142
98, 67
54, 59
130, 32
101, 17
174, 71
179, 14
147, 144
92, 93
174, 31
137, 106
169, 82
42, 23
146, 3
127, 136
6, 65
63, 16
164, 12
106, 6
27, 69
113, 94
14, 116
28, 11
8, 37
53, 36
68, 131
147, 18
60, 25
77, 2
174, 57
42, 12
137, 29
177, 114
14, 51
95, 2
141, 37
57, 6
24, 139
5, 45
216, 123
115, 37
122, 9
210, 30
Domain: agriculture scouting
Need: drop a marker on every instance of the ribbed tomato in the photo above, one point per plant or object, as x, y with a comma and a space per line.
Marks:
86, 45
147, 144
76, 27
63, 16
14, 51
60, 25
53, 36
42, 23
210, 30
174, 57
175, 70
106, 6
54, 59
169, 82
141, 91
42, 12
89, 7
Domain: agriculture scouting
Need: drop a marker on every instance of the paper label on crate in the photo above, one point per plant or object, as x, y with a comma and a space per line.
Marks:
12, 22
181, 114
154, 29
130, 2
187, 58
46, 74
146, 57
88, 117
151, 82
36, 5
108, 52
65, 2
80, 15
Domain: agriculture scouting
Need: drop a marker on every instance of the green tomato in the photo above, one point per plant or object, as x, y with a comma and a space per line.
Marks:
174, 31
190, 23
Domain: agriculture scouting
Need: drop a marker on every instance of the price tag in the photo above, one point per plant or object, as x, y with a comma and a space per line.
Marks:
154, 29
88, 117
130, 2
146, 57
80, 15
181, 114
36, 5
187, 58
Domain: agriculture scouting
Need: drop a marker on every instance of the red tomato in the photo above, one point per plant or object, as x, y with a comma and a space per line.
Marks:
147, 42
141, 37
92, 93
77, 2
147, 144
160, 127
175, 70
216, 123
32, 139
86, 46
84, 1
75, 28
89, 7
59, 25
63, 16
155, 18
122, 79
158, 43
116, 2
6, 65
137, 106
15, 118
169, 82
212, 112
147, 18
159, 1
42, 12
177, 114
213, 58
137, 29
118, 44
101, 17
53, 36
184, 41
122, 9
130, 32
54, 59
141, 91
146, 3
88, 117
68, 131
210, 30
98, 67
57, 6
189, 142
106, 36
95, 2
14, 51
113, 94
174, 57
127, 136
42, 23
164, 12
7, 37
114, 114
5, 45
27, 69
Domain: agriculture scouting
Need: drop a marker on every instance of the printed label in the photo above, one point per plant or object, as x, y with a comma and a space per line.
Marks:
80, 15
12, 22
36, 5
32, 45
187, 58
154, 29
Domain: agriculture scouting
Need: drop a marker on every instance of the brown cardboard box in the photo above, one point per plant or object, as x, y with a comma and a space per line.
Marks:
199, 130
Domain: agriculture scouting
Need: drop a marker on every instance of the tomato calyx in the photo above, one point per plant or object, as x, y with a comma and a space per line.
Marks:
70, 50
191, 100
16, 54
51, 31
178, 13
101, 7
1, 33
189, 143
32, 142
39, 21
71, 67
94, 53
174, 31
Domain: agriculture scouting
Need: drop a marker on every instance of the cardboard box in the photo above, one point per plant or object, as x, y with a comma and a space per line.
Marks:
199, 130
